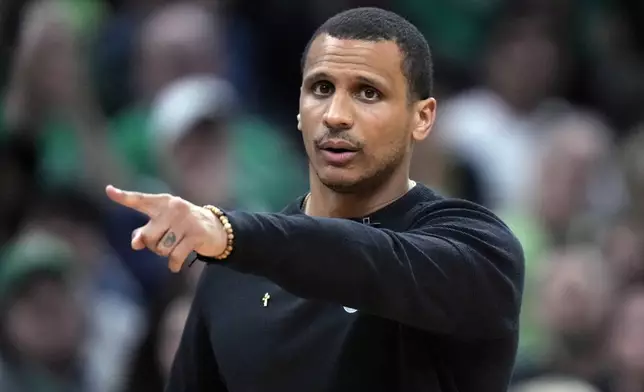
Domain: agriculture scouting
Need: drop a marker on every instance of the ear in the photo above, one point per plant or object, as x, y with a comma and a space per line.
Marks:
299, 122
425, 116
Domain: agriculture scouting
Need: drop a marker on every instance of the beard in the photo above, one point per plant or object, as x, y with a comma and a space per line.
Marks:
371, 179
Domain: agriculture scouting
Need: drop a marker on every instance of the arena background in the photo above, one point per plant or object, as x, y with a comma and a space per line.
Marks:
540, 119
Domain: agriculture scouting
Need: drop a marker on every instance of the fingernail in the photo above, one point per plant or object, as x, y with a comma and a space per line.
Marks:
137, 244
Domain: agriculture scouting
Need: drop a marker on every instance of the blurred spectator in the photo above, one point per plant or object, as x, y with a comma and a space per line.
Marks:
496, 125
50, 95
628, 342
174, 41
572, 162
111, 297
42, 323
193, 132
177, 42
572, 166
576, 295
190, 132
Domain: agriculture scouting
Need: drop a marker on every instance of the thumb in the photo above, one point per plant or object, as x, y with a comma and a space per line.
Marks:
137, 239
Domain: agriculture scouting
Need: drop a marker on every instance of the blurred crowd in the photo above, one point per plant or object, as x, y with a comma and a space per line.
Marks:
539, 119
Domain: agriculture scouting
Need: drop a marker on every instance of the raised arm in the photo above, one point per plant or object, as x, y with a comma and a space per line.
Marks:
457, 271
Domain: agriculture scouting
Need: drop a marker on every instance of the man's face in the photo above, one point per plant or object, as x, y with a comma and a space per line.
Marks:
199, 165
161, 63
44, 323
575, 296
524, 69
180, 40
357, 120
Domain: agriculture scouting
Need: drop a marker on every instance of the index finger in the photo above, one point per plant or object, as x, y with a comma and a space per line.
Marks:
145, 203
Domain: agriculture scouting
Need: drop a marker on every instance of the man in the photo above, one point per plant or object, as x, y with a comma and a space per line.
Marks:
575, 293
195, 134
108, 292
42, 328
370, 282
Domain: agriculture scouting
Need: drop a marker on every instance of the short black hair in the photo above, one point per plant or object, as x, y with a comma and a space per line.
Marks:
376, 24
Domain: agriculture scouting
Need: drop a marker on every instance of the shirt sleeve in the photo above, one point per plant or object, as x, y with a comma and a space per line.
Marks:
195, 367
458, 271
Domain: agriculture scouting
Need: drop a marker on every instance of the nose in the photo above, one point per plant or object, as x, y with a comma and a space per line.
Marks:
338, 114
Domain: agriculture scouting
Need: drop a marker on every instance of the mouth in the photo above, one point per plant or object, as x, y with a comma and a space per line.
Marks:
338, 152
338, 146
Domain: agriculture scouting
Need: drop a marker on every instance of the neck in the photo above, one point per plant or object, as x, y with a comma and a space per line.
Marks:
325, 202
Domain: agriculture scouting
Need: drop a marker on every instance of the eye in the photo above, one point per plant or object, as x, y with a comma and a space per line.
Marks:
322, 89
369, 94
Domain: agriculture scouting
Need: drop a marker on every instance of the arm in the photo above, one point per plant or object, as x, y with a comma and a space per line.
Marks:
195, 368
459, 271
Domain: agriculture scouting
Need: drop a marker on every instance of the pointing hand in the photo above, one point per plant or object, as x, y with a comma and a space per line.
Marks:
176, 227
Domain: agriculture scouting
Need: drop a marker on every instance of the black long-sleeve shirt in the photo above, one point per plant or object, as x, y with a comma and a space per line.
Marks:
422, 295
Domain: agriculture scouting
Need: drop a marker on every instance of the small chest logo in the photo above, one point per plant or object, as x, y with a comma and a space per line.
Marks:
349, 310
265, 299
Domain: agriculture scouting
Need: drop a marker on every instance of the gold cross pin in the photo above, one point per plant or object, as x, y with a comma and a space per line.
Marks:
265, 299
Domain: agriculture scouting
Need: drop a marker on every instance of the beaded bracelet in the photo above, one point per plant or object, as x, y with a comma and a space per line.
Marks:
229, 231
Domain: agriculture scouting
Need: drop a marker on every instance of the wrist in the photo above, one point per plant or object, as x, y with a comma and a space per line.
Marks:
226, 234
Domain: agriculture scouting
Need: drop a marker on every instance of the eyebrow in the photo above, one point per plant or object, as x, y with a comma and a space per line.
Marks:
369, 81
321, 75
316, 76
